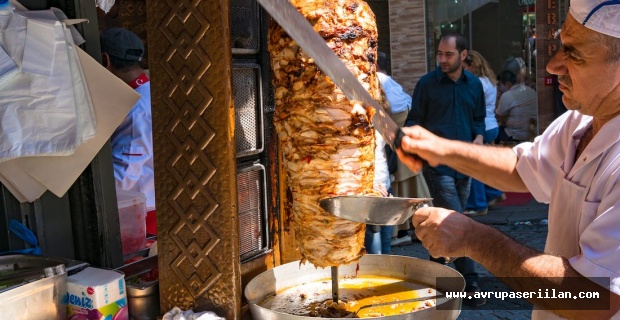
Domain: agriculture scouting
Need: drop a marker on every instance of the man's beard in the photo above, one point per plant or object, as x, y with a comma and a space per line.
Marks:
451, 68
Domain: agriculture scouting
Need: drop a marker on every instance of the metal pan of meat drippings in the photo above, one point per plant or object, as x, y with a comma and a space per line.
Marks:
383, 211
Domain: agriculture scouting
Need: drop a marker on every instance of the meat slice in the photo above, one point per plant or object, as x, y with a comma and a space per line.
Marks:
327, 141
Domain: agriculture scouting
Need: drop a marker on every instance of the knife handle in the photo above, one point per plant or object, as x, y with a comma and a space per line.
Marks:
398, 139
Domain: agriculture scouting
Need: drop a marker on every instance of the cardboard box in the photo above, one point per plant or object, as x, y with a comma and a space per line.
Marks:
97, 294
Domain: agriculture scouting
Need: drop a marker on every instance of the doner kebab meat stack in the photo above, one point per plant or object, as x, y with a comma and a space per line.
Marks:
327, 141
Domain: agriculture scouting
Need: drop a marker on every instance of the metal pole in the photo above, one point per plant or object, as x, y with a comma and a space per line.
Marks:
335, 284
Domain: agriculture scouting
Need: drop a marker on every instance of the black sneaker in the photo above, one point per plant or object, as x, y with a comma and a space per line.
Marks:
402, 241
472, 301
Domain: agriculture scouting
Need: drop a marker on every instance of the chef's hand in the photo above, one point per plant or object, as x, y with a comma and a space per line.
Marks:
444, 233
380, 188
479, 140
421, 142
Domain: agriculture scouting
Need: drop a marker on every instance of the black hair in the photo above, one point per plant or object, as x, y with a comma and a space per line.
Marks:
507, 76
459, 38
469, 60
382, 61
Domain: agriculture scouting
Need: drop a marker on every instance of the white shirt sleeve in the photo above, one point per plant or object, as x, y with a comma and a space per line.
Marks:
490, 94
399, 100
539, 162
382, 174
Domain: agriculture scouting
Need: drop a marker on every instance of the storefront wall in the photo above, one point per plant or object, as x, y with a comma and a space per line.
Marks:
408, 42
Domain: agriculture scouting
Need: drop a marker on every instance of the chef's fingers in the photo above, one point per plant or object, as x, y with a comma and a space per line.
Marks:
423, 143
420, 233
427, 246
412, 163
420, 216
416, 142
429, 240
413, 136
380, 188
421, 225
413, 132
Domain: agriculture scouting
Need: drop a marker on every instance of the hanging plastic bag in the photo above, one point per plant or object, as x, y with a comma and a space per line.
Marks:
84, 106
45, 109
25, 234
7, 66
105, 5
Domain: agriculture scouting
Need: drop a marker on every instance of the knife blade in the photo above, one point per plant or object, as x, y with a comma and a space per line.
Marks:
296, 25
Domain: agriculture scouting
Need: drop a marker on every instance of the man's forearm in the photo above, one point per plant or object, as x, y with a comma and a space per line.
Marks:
526, 270
495, 166
492, 165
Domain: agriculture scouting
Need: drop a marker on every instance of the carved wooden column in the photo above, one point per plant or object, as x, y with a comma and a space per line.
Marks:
195, 172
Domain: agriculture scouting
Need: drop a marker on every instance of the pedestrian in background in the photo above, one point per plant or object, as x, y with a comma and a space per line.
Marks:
574, 165
377, 239
449, 102
404, 182
479, 193
400, 101
517, 108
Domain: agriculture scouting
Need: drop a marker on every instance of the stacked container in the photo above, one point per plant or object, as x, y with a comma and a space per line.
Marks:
132, 220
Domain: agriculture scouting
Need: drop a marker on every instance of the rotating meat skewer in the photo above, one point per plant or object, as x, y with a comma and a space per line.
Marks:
335, 284
296, 25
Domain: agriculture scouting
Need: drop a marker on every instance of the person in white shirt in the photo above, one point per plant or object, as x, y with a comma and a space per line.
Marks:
404, 182
574, 165
480, 195
132, 142
377, 239
400, 101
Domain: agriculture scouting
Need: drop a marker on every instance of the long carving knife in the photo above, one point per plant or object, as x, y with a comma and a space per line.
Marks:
314, 45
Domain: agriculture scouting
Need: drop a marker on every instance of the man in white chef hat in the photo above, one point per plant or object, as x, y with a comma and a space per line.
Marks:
574, 165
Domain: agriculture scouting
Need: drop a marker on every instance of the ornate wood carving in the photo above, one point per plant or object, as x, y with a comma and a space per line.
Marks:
190, 64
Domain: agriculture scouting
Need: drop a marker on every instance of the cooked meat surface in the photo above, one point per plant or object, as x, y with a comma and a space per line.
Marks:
327, 141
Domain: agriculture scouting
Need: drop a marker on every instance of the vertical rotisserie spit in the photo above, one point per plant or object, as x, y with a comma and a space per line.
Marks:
327, 141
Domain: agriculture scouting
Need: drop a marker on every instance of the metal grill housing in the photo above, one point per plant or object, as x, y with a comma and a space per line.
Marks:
244, 26
251, 190
248, 109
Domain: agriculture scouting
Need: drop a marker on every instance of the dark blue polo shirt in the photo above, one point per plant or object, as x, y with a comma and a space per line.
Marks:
453, 110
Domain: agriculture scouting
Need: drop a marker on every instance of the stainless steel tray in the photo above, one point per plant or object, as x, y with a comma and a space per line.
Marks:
19, 269
34, 287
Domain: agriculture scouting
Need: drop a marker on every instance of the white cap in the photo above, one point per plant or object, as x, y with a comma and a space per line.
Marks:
599, 15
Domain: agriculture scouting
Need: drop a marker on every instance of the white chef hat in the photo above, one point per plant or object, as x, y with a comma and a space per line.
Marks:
599, 15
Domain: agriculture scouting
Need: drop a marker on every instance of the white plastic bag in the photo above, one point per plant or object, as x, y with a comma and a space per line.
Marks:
177, 314
7, 66
105, 5
45, 109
